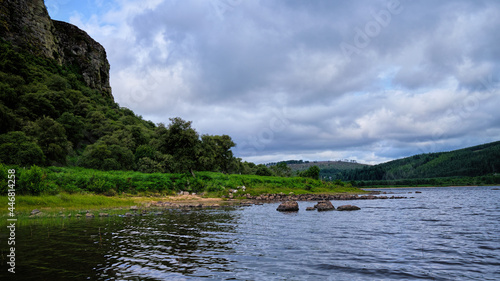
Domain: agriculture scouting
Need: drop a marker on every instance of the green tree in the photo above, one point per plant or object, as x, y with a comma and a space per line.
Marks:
107, 156
216, 154
73, 125
281, 169
51, 137
312, 172
17, 148
262, 170
182, 142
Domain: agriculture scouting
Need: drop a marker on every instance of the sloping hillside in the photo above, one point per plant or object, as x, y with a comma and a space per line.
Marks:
468, 162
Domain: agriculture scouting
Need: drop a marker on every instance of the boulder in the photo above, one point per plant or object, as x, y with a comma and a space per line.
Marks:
35, 212
103, 215
310, 208
288, 206
324, 206
89, 215
348, 208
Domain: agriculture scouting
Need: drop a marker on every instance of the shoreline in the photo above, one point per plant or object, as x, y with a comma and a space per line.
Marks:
141, 205
407, 187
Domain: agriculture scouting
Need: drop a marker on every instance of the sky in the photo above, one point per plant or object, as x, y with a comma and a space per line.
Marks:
366, 80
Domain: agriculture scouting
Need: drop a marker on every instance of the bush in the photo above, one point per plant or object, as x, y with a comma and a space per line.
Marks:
32, 181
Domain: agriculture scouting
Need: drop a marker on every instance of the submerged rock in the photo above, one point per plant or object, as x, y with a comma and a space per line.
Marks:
348, 208
324, 206
288, 206
310, 208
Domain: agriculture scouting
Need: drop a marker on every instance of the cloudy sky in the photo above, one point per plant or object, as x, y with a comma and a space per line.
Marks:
364, 80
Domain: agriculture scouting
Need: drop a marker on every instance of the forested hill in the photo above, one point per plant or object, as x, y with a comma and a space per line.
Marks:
328, 169
56, 107
468, 162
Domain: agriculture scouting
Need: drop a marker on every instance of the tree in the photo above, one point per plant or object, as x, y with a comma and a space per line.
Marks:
17, 148
51, 137
281, 169
312, 172
182, 142
262, 170
73, 125
216, 154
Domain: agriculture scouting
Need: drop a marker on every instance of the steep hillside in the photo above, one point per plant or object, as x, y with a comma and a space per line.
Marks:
27, 26
468, 162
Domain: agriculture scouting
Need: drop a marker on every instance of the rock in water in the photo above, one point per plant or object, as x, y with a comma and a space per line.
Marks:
288, 206
348, 208
324, 206
310, 208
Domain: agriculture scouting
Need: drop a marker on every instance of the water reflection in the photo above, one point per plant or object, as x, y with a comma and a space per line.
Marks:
180, 243
440, 234
169, 246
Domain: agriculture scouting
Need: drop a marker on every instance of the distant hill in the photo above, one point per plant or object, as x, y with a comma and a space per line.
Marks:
328, 169
468, 162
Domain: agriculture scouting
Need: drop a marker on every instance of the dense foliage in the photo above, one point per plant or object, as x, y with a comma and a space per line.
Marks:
479, 162
54, 180
50, 117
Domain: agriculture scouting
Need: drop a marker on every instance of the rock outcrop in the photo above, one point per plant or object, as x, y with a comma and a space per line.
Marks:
324, 206
316, 197
28, 26
348, 208
288, 206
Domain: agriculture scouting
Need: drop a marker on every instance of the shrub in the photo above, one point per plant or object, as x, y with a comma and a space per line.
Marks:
32, 181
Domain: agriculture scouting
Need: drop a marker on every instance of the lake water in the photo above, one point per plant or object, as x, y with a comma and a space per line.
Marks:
440, 234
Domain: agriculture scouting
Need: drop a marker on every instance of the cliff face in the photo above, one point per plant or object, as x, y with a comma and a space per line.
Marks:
27, 25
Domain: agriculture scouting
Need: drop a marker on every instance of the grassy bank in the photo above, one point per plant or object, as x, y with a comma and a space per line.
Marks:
74, 180
69, 190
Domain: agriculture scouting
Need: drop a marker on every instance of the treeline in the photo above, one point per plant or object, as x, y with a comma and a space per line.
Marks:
477, 161
492, 179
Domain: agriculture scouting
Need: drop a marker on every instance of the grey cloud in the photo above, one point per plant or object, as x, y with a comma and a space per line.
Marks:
403, 91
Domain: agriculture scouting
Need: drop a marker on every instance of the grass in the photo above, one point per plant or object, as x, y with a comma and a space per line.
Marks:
71, 201
71, 190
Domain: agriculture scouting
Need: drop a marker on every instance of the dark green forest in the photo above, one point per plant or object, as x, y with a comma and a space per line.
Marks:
50, 117
474, 165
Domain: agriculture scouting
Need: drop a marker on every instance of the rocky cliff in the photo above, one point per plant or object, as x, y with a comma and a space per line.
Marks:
28, 26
